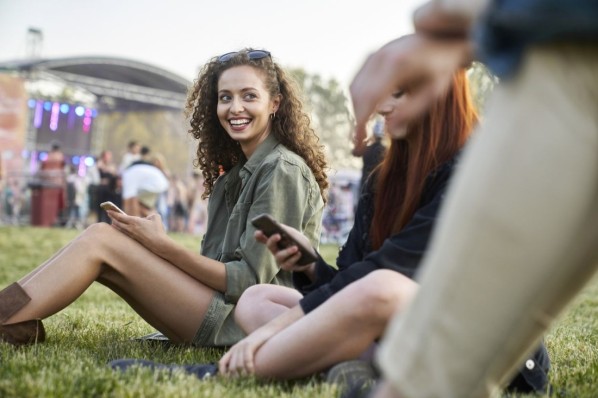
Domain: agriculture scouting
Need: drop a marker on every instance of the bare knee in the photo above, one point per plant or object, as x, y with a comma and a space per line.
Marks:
382, 293
95, 239
261, 303
86, 238
97, 231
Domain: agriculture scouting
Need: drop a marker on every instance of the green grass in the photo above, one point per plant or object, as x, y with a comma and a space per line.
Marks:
98, 327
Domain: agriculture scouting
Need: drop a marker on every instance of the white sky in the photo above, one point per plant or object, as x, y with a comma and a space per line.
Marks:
328, 37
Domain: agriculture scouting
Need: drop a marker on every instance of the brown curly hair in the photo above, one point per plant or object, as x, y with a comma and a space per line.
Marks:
291, 125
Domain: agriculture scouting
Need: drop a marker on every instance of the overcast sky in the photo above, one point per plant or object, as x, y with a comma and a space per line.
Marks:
328, 37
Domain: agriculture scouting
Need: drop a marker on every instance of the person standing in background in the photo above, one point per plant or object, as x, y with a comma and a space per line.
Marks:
143, 183
76, 187
371, 150
132, 155
92, 180
198, 207
178, 211
107, 190
53, 184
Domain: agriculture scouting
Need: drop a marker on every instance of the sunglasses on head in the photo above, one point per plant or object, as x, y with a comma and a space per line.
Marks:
253, 54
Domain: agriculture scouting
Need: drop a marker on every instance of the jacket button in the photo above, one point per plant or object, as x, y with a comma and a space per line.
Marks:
530, 364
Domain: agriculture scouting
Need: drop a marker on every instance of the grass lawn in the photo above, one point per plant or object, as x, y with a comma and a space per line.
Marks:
98, 327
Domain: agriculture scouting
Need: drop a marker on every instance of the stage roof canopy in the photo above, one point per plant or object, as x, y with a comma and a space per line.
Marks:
120, 84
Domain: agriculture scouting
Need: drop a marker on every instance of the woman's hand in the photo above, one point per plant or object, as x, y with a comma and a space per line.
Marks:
148, 231
240, 358
416, 64
287, 258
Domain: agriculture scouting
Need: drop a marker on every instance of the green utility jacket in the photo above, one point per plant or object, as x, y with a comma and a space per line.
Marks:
274, 180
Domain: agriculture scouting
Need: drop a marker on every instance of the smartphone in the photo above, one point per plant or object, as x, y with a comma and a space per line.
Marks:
269, 226
111, 206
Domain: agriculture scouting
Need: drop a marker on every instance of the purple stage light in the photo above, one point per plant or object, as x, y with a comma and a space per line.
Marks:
39, 111
54, 116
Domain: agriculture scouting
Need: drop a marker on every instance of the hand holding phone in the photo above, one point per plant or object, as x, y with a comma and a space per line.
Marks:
111, 206
269, 226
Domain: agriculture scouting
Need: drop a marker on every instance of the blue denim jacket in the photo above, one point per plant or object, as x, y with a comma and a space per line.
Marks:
509, 27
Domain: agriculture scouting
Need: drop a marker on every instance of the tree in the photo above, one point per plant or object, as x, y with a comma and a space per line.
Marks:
328, 105
482, 82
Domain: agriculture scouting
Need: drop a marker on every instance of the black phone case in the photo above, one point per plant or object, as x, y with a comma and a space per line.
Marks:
269, 226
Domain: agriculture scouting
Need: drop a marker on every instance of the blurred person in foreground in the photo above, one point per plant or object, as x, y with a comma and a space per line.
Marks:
246, 113
517, 237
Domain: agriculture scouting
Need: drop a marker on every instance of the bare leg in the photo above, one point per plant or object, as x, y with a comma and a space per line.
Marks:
259, 304
42, 265
340, 329
143, 279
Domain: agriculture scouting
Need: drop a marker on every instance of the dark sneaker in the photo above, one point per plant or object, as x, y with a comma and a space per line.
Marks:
355, 379
156, 337
201, 371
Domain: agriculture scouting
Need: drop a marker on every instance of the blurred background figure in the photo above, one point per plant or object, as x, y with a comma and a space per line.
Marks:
76, 190
1, 187
108, 190
133, 154
371, 150
178, 205
50, 192
142, 184
339, 212
92, 181
13, 200
162, 207
198, 210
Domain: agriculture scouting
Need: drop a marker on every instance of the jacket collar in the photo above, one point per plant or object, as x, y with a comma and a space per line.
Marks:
259, 155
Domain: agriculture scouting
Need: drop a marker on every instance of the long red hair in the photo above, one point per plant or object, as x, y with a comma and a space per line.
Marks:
432, 140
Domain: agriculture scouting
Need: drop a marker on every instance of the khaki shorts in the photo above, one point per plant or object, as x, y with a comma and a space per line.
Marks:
218, 327
148, 199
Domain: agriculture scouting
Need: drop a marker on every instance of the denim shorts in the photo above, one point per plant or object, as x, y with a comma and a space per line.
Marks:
218, 327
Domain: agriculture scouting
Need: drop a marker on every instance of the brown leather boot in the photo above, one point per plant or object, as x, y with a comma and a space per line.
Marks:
12, 299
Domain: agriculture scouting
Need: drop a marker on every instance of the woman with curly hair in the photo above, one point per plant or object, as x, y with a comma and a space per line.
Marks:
258, 154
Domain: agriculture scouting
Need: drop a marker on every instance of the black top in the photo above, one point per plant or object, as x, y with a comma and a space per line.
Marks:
509, 27
401, 252
372, 156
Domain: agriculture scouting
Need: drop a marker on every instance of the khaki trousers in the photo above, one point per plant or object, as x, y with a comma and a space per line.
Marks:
517, 236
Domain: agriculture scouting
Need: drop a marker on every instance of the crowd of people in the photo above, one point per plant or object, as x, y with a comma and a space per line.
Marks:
140, 183
457, 261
